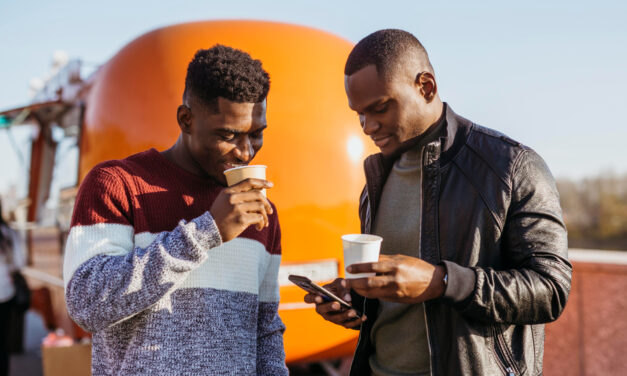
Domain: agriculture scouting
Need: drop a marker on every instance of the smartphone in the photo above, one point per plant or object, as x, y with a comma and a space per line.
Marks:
309, 286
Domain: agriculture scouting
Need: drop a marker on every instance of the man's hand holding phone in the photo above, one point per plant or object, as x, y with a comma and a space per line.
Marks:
333, 311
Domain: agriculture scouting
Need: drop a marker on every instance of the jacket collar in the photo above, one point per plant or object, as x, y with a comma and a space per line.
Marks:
457, 132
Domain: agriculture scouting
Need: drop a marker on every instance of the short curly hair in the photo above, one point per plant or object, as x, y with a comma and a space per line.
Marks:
226, 72
386, 49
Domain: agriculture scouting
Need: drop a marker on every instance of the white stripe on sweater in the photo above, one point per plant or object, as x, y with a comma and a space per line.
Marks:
85, 242
238, 265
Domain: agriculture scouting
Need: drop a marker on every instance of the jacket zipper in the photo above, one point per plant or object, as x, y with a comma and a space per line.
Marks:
363, 308
424, 306
501, 354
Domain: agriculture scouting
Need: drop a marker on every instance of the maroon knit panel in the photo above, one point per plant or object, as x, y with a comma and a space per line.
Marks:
150, 193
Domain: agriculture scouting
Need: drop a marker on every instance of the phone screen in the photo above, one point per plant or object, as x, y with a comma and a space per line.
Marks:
309, 286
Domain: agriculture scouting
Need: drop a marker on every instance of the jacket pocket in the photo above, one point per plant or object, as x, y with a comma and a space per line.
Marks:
503, 355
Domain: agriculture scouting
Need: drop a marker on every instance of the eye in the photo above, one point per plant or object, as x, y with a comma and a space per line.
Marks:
380, 109
227, 136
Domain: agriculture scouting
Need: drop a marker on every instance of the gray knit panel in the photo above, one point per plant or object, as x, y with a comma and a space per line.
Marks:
202, 332
270, 352
101, 291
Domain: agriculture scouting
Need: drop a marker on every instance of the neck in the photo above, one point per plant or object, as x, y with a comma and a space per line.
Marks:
432, 131
180, 156
436, 109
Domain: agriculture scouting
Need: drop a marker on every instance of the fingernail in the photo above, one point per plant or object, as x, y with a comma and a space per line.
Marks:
351, 313
349, 269
347, 297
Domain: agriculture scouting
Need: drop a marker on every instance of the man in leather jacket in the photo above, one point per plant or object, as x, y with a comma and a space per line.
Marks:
474, 256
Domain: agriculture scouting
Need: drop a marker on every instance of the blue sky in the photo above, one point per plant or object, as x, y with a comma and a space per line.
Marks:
551, 75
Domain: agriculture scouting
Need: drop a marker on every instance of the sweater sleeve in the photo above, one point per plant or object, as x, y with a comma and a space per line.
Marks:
107, 278
270, 328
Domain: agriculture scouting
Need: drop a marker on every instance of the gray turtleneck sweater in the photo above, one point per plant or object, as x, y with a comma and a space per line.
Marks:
399, 333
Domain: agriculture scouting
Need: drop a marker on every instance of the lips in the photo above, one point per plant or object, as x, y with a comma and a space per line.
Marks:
228, 165
381, 140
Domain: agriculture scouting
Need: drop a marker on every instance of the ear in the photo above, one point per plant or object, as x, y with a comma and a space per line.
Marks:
184, 118
425, 81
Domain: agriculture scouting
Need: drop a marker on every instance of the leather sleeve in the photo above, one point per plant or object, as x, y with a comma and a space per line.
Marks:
535, 285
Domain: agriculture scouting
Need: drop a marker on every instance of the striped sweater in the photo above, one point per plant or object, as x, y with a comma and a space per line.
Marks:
146, 271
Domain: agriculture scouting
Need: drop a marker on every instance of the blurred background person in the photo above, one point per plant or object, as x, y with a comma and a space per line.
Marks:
11, 261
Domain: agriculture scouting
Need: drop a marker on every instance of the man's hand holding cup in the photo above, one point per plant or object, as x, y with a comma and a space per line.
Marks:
243, 203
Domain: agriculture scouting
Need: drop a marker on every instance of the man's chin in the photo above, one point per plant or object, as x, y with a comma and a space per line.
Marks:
389, 150
217, 176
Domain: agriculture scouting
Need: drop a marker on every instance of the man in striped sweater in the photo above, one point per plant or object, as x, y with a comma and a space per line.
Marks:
174, 273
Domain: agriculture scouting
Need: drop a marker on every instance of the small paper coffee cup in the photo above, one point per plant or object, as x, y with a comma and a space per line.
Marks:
237, 174
359, 248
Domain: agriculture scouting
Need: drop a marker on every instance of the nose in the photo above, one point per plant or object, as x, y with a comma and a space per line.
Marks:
244, 150
368, 124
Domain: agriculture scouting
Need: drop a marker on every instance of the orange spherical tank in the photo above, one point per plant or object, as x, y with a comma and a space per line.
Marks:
313, 146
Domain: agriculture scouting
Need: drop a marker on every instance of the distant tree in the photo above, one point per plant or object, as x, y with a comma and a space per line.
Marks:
595, 211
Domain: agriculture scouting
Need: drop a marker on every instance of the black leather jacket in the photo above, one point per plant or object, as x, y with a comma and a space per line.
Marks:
491, 215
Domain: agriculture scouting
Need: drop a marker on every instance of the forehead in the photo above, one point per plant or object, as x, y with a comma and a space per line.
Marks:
243, 111
366, 87
234, 115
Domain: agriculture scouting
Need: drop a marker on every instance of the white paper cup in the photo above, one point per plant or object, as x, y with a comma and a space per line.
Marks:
360, 248
237, 174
